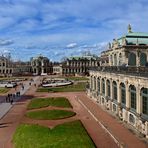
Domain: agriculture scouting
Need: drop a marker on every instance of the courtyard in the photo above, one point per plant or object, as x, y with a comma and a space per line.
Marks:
69, 119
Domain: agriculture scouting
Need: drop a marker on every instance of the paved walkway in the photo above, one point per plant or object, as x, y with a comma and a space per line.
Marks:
125, 137
5, 106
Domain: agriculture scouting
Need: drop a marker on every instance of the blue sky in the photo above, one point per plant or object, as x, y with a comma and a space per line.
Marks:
61, 28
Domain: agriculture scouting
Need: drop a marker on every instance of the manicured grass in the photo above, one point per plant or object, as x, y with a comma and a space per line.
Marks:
13, 78
44, 102
70, 88
67, 135
77, 78
4, 90
50, 114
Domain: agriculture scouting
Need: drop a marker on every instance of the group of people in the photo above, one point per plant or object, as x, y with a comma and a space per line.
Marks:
10, 97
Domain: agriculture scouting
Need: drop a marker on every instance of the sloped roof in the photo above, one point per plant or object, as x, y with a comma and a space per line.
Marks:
83, 58
134, 38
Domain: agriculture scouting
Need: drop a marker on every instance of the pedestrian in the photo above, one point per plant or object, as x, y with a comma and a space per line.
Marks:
35, 85
11, 101
22, 87
13, 96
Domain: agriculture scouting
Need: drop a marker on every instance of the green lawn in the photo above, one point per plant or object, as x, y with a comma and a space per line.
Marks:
4, 90
77, 78
70, 88
44, 102
67, 135
50, 114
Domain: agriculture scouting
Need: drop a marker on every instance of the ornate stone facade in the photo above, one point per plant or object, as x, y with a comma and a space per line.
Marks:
123, 89
41, 65
131, 49
79, 65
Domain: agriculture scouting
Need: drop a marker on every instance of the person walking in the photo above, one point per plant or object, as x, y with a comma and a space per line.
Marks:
11, 101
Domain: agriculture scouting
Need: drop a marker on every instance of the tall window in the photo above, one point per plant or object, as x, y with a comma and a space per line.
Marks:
108, 88
144, 94
115, 60
143, 59
120, 59
114, 90
132, 59
98, 85
133, 96
123, 93
103, 86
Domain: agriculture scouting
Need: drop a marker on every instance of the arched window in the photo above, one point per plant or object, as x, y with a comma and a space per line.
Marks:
115, 60
123, 94
98, 85
120, 59
133, 97
103, 86
144, 94
108, 88
143, 59
114, 90
132, 59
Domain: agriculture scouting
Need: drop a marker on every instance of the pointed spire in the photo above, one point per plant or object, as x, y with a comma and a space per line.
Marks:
129, 28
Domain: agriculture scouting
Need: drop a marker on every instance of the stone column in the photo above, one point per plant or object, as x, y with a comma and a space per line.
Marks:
125, 58
101, 86
97, 86
118, 99
90, 84
42, 70
106, 90
137, 58
37, 71
118, 93
111, 89
127, 96
138, 101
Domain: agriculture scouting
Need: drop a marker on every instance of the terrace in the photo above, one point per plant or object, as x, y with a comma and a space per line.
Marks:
129, 70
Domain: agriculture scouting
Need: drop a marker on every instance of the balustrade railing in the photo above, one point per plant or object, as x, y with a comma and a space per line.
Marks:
137, 71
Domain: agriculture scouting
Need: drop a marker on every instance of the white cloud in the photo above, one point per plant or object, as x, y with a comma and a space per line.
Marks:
4, 42
71, 45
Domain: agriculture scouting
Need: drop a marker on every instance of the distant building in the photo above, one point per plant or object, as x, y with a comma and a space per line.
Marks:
57, 68
21, 68
121, 85
79, 65
41, 65
6, 66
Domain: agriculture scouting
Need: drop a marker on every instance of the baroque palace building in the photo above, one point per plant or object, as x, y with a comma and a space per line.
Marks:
41, 65
79, 65
121, 86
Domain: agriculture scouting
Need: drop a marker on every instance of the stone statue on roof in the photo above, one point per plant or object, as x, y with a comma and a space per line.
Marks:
129, 28
109, 45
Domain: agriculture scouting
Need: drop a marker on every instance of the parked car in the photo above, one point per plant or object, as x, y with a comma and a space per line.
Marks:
8, 84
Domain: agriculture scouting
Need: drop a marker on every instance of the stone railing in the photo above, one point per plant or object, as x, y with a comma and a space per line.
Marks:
130, 70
